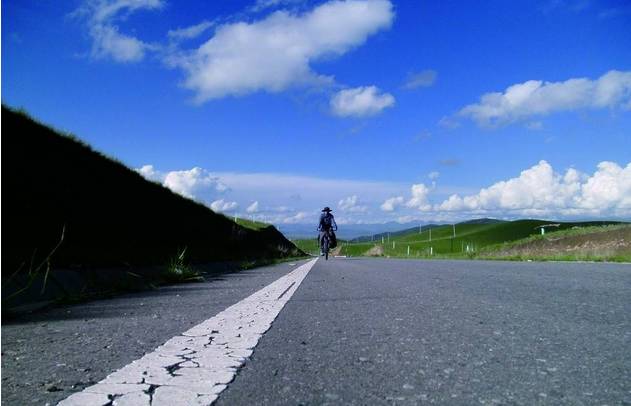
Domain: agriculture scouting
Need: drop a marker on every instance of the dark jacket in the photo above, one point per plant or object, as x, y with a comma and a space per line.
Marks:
327, 222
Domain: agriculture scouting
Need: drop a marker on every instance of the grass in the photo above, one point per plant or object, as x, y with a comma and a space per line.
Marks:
592, 243
473, 240
178, 271
251, 224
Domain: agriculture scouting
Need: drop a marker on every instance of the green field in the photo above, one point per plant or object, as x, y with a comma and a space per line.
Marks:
470, 239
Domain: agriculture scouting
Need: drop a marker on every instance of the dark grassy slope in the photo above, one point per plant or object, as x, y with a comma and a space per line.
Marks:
112, 215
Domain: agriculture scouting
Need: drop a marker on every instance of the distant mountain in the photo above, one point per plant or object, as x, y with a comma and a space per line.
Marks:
484, 221
345, 231
390, 234
111, 215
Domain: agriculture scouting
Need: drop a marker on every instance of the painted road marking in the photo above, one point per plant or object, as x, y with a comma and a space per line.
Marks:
194, 367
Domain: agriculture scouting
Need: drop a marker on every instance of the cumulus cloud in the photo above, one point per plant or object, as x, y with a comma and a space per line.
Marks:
351, 204
253, 208
188, 183
361, 101
149, 172
419, 199
222, 205
523, 101
275, 53
276, 194
107, 40
392, 203
540, 190
424, 78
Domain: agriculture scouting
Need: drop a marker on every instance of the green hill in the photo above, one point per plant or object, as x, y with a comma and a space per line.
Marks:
439, 240
111, 215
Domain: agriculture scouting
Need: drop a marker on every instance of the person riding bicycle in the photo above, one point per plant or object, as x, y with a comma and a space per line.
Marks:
327, 226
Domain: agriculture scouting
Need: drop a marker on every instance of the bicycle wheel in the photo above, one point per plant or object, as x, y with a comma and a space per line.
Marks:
325, 247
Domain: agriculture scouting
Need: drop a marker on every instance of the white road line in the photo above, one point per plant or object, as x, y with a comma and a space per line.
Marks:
194, 367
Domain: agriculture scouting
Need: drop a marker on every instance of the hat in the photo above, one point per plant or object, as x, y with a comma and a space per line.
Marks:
327, 209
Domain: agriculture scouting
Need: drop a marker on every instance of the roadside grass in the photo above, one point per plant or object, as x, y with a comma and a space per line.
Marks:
309, 245
178, 271
611, 243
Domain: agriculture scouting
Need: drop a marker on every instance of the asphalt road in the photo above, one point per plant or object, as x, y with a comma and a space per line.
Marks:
361, 331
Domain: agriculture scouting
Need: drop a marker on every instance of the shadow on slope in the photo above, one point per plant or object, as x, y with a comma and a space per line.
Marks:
113, 218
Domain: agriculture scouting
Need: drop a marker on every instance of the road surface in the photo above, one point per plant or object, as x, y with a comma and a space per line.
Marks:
353, 331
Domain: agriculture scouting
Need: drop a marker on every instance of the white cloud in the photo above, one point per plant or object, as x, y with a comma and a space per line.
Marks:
253, 208
297, 218
222, 205
106, 10
419, 200
424, 78
107, 40
275, 53
537, 98
149, 172
193, 31
274, 192
392, 203
351, 204
433, 175
540, 190
190, 183
609, 188
187, 183
360, 102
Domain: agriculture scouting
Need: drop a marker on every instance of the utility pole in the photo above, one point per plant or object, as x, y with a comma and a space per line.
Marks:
454, 226
430, 235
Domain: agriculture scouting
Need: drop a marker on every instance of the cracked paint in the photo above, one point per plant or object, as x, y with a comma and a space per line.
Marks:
195, 367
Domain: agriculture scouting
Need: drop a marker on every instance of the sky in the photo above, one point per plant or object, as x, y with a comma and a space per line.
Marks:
384, 110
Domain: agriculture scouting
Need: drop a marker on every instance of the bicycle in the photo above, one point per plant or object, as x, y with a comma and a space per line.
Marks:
325, 242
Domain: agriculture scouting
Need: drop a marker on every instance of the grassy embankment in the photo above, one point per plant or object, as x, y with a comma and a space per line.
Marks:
111, 217
489, 240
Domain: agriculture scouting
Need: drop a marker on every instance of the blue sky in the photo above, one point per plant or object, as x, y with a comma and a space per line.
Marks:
383, 110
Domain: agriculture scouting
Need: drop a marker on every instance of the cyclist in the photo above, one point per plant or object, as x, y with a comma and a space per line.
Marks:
327, 226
